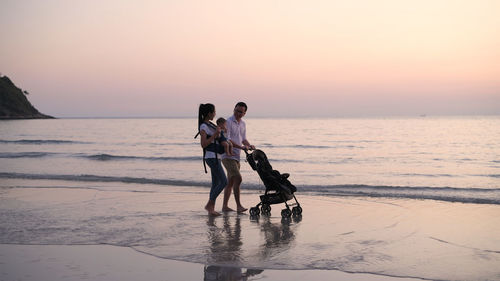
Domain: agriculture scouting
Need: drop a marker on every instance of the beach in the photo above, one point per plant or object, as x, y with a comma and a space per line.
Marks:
73, 263
112, 234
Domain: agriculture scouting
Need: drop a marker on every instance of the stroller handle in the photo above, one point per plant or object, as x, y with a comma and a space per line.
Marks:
246, 150
250, 160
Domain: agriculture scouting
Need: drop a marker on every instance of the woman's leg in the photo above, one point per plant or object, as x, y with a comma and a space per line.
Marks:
219, 181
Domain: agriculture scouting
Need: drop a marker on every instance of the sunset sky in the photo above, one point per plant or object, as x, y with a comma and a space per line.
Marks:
124, 58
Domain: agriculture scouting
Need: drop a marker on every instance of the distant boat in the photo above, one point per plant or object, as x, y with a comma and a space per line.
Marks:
423, 115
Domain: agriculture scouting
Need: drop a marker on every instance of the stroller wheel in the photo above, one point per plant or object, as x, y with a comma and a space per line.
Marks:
297, 211
286, 213
254, 211
266, 209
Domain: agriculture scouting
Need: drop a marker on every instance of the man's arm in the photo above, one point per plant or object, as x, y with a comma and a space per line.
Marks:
247, 144
237, 145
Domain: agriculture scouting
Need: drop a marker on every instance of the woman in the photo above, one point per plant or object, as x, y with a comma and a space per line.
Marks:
209, 133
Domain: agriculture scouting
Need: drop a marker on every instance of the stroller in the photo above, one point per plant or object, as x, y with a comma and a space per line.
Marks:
278, 188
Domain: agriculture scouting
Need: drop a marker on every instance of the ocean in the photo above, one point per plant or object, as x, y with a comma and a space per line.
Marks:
443, 163
442, 158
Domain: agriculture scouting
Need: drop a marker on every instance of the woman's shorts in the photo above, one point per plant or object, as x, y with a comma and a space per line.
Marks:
232, 167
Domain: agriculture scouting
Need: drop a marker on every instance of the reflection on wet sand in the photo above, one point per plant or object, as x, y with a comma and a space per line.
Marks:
226, 244
225, 241
227, 273
225, 247
278, 236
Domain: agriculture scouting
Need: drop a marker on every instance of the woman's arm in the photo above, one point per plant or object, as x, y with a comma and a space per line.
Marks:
204, 141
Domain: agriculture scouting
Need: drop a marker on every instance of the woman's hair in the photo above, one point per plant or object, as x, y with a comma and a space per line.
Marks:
203, 112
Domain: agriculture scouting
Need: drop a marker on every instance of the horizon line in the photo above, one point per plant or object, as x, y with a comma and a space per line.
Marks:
290, 117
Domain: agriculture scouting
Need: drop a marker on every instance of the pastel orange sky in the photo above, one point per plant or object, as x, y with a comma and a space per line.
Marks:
284, 58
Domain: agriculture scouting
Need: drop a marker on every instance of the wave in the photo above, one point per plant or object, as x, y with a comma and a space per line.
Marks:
97, 157
163, 144
24, 141
448, 194
26, 154
305, 146
490, 175
427, 175
109, 157
97, 178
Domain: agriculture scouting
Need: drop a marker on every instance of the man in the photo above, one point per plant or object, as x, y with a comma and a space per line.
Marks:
236, 134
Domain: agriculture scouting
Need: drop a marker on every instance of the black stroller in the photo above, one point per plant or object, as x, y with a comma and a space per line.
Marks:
278, 188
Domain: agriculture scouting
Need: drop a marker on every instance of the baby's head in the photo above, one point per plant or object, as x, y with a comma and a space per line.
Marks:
221, 122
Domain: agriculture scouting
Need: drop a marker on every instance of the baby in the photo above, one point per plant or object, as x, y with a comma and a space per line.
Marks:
228, 146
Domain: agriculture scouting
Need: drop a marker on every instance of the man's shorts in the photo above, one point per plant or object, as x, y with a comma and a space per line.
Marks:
232, 167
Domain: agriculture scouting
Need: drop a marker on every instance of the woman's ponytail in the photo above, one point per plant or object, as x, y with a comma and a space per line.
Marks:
201, 115
203, 112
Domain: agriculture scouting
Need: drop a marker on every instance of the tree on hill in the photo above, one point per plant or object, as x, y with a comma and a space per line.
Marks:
14, 104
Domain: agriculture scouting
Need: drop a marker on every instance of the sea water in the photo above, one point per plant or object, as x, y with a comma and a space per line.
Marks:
425, 168
442, 158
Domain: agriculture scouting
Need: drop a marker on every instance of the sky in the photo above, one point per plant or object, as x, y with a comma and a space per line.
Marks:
147, 58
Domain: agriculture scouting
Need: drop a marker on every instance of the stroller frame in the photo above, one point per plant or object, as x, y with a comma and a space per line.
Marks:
278, 187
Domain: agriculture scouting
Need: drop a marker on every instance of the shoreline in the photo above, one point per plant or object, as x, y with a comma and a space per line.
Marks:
120, 263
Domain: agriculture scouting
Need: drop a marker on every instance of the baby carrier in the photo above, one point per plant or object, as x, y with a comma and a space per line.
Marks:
278, 188
215, 146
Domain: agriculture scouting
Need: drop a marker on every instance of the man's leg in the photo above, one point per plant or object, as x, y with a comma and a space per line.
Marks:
233, 172
227, 194
236, 187
229, 187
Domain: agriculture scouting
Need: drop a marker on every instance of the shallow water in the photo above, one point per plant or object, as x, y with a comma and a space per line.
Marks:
392, 237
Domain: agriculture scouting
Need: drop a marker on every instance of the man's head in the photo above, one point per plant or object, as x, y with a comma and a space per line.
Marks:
240, 110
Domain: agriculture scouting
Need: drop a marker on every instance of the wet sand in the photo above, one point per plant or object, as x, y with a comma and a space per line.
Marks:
110, 263
113, 232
